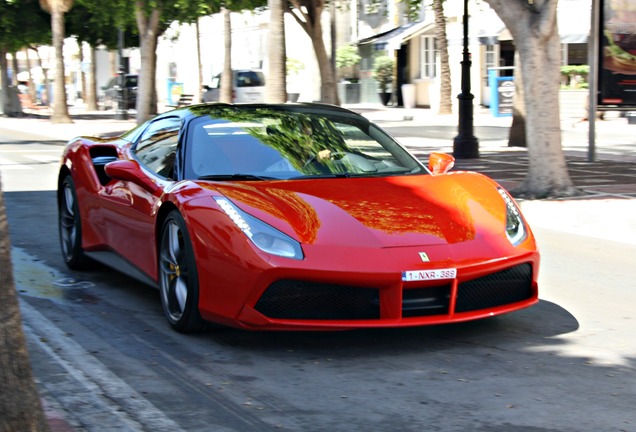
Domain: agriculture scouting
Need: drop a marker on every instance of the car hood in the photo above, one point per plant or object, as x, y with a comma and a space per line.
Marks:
380, 212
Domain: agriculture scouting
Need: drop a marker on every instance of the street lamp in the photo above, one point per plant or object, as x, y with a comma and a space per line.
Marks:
465, 144
122, 110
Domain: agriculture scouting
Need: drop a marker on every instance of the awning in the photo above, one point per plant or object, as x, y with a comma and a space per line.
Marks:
490, 29
393, 39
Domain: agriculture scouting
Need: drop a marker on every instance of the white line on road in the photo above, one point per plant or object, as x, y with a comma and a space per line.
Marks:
4, 161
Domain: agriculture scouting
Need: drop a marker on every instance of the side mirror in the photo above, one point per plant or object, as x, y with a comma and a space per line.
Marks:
128, 170
440, 163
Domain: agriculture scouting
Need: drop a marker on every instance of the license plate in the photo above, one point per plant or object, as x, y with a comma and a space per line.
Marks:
424, 275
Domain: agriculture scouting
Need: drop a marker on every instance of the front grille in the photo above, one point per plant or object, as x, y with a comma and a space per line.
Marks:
498, 289
425, 301
291, 299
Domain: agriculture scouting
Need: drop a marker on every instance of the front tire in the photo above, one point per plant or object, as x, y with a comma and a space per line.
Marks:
70, 227
178, 279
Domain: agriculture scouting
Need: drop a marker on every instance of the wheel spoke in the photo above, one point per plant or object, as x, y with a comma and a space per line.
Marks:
69, 202
181, 293
68, 222
69, 241
168, 264
174, 247
172, 300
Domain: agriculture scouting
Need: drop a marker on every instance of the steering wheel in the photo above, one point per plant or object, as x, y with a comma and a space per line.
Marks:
331, 156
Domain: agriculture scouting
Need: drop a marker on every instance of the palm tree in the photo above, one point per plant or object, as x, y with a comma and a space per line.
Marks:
276, 91
227, 79
19, 400
57, 9
445, 104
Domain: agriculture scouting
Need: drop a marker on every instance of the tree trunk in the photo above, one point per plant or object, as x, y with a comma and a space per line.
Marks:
148, 26
19, 400
82, 73
15, 69
5, 100
197, 90
90, 93
227, 81
32, 89
276, 85
517, 134
445, 89
60, 107
308, 16
328, 90
533, 27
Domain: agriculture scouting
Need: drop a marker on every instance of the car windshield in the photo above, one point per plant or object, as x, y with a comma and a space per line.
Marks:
250, 79
258, 142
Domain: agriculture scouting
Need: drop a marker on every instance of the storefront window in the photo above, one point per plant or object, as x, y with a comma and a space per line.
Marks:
428, 57
490, 61
574, 54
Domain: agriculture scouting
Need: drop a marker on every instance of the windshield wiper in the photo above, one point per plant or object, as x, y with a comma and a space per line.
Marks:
321, 176
237, 176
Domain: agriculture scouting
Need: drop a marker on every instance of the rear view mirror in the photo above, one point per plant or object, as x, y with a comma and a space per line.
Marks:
440, 163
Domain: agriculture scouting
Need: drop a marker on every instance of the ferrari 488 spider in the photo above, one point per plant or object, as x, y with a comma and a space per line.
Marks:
293, 216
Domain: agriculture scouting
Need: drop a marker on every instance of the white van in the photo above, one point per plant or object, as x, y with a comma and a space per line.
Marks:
249, 86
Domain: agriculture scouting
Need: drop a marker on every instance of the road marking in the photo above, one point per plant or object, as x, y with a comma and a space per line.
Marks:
4, 161
23, 161
44, 158
15, 167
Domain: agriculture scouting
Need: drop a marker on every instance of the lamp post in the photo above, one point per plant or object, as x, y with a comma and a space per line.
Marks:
122, 112
465, 144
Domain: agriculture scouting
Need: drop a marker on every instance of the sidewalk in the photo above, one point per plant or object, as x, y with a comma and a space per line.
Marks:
612, 176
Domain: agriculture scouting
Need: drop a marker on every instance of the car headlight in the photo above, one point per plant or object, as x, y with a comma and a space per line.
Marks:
265, 237
515, 228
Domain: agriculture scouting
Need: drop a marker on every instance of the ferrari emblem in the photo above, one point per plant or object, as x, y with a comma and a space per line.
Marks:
424, 257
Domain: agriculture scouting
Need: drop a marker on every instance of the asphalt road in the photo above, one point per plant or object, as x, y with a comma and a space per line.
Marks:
104, 356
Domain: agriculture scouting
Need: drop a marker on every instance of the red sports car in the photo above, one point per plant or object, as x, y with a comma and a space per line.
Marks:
293, 216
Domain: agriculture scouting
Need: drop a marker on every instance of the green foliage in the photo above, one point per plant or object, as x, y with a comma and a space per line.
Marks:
413, 8
383, 71
294, 66
575, 76
95, 22
347, 56
571, 70
23, 23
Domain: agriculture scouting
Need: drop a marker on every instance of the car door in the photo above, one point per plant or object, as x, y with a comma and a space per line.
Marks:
129, 208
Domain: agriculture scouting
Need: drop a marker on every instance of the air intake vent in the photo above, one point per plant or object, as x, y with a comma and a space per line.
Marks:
291, 299
498, 289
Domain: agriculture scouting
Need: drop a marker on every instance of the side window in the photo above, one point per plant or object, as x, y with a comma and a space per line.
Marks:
157, 147
216, 82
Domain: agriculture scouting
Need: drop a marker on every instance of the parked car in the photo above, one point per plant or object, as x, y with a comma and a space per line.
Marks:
293, 216
248, 86
111, 92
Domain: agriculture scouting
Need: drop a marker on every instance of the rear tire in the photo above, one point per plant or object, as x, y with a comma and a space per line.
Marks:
70, 227
178, 279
